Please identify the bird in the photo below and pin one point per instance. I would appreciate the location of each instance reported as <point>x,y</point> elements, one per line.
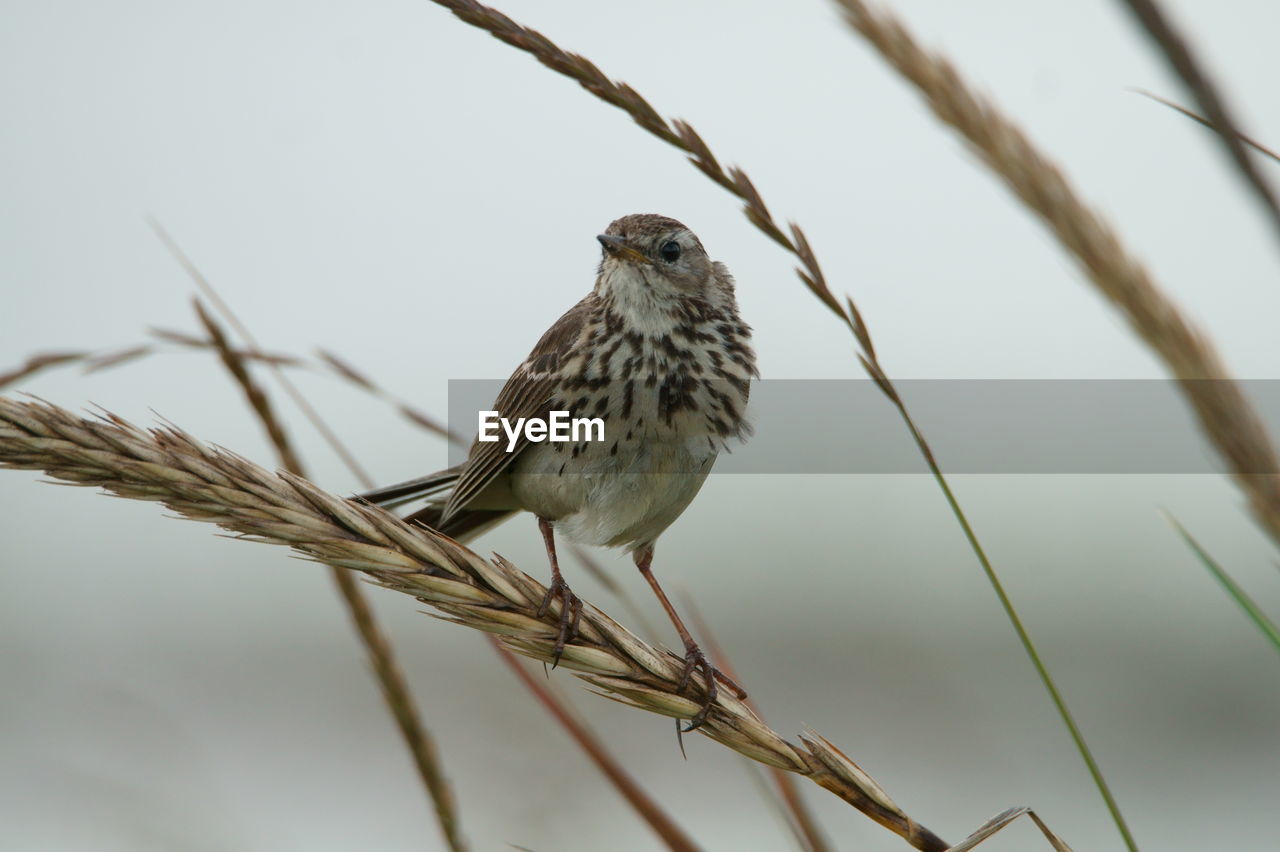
<point>658,353</point>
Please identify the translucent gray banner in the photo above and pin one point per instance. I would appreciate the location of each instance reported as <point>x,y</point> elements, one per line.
<point>974,426</point>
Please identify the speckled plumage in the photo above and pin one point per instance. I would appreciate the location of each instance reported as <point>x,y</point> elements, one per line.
<point>658,351</point>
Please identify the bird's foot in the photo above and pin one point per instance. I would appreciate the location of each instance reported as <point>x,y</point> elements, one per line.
<point>570,614</point>
<point>696,660</point>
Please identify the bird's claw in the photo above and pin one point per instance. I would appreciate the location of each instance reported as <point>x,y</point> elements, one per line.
<point>570,615</point>
<point>696,660</point>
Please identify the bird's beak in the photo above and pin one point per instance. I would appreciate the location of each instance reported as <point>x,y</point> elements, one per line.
<point>617,247</point>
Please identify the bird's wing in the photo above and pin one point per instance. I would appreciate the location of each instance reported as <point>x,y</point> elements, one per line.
<point>528,393</point>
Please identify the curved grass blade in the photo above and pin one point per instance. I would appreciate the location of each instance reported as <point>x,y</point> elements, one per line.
<point>1265,625</point>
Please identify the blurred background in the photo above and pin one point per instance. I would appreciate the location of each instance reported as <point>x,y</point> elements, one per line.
<point>384,181</point>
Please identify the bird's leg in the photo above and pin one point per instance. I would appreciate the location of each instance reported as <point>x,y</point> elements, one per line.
<point>570,605</point>
<point>694,658</point>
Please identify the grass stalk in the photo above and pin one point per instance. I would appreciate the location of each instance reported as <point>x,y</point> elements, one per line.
<point>391,681</point>
<point>1225,415</point>
<point>652,813</point>
<point>290,388</point>
<point>1265,625</point>
<point>39,362</point>
<point>361,614</point>
<point>1196,117</point>
<point>790,802</point>
<point>1182,59</point>
<point>213,485</point>
<point>90,362</point>
<point>344,369</point>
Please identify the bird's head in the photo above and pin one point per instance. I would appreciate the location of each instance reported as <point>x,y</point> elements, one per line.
<point>653,255</point>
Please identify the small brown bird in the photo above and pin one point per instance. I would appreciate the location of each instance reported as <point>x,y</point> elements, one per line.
<point>658,352</point>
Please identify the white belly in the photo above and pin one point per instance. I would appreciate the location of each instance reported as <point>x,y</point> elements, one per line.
<point>612,499</point>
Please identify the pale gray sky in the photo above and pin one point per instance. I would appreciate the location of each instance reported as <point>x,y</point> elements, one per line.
<point>385,181</point>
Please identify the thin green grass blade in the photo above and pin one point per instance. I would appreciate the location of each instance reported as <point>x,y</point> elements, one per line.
<point>1265,625</point>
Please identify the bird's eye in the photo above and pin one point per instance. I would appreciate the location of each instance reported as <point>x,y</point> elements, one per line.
<point>670,251</point>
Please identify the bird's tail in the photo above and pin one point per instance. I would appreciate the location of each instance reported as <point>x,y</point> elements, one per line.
<point>463,525</point>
